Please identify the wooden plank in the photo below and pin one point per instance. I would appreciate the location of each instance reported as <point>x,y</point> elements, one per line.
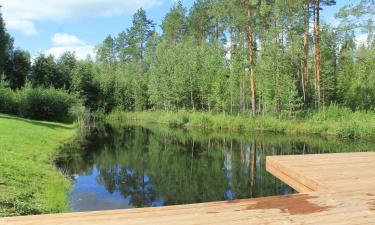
<point>295,184</point>
<point>295,209</point>
<point>326,172</point>
<point>295,179</point>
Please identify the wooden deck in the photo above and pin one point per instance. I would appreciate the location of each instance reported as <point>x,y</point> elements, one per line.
<point>332,173</point>
<point>336,189</point>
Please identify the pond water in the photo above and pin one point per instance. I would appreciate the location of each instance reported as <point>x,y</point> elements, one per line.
<point>117,167</point>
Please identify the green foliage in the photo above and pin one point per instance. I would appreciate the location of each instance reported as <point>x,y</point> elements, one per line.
<point>6,46</point>
<point>46,71</point>
<point>65,66</point>
<point>18,69</point>
<point>106,51</point>
<point>199,19</point>
<point>174,24</point>
<point>45,104</point>
<point>43,71</point>
<point>333,113</point>
<point>329,65</point>
<point>139,35</point>
<point>332,121</point>
<point>201,62</point>
<point>37,103</point>
<point>84,85</point>
<point>188,76</point>
<point>8,100</point>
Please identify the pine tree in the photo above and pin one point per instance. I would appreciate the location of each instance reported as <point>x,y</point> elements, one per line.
<point>106,52</point>
<point>305,78</point>
<point>198,20</point>
<point>174,24</point>
<point>139,34</point>
<point>317,57</point>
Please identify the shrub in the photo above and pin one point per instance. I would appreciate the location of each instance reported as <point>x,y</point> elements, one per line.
<point>45,104</point>
<point>8,101</point>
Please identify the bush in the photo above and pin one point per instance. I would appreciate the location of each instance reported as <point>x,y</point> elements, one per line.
<point>8,101</point>
<point>45,104</point>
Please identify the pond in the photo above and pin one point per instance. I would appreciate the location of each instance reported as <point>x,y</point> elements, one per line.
<point>127,166</point>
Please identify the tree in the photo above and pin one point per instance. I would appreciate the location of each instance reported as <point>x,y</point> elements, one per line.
<point>6,45</point>
<point>84,85</point>
<point>251,10</point>
<point>139,34</point>
<point>65,66</point>
<point>317,60</point>
<point>305,53</point>
<point>356,16</point>
<point>122,48</point>
<point>198,20</point>
<point>106,52</point>
<point>224,58</point>
<point>18,68</point>
<point>44,72</point>
<point>328,65</point>
<point>174,24</point>
<point>355,68</point>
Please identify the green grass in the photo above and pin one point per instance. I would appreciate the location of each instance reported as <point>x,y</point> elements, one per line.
<point>333,121</point>
<point>29,181</point>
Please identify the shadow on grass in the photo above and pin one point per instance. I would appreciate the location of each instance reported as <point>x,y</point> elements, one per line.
<point>35,122</point>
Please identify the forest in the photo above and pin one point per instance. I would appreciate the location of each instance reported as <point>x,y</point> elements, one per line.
<point>269,57</point>
<point>230,73</point>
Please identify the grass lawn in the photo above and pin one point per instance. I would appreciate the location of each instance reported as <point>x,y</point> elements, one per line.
<point>29,181</point>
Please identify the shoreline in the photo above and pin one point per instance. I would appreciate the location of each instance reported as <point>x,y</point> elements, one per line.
<point>32,184</point>
<point>355,125</point>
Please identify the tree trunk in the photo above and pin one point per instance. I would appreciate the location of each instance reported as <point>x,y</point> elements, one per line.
<point>317,51</point>
<point>305,53</point>
<point>243,81</point>
<point>231,69</point>
<point>277,77</point>
<point>191,93</point>
<point>292,58</point>
<point>251,59</point>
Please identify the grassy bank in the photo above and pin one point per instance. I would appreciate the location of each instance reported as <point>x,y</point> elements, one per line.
<point>333,121</point>
<point>29,181</point>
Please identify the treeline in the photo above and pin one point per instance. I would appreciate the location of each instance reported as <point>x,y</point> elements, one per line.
<point>230,56</point>
<point>243,56</point>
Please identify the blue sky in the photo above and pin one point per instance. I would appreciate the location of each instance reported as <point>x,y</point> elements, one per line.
<point>54,26</point>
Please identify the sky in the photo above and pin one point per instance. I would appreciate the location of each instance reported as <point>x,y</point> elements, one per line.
<point>55,26</point>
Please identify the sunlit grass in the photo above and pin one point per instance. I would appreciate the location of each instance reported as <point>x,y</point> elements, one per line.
<point>29,181</point>
<point>332,121</point>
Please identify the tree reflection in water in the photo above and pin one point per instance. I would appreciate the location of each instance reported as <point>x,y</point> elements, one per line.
<point>132,166</point>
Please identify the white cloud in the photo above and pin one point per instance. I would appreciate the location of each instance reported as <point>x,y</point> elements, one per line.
<point>27,27</point>
<point>63,39</point>
<point>67,42</point>
<point>22,14</point>
<point>80,51</point>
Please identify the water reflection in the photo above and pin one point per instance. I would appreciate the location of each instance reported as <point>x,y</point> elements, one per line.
<point>131,166</point>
